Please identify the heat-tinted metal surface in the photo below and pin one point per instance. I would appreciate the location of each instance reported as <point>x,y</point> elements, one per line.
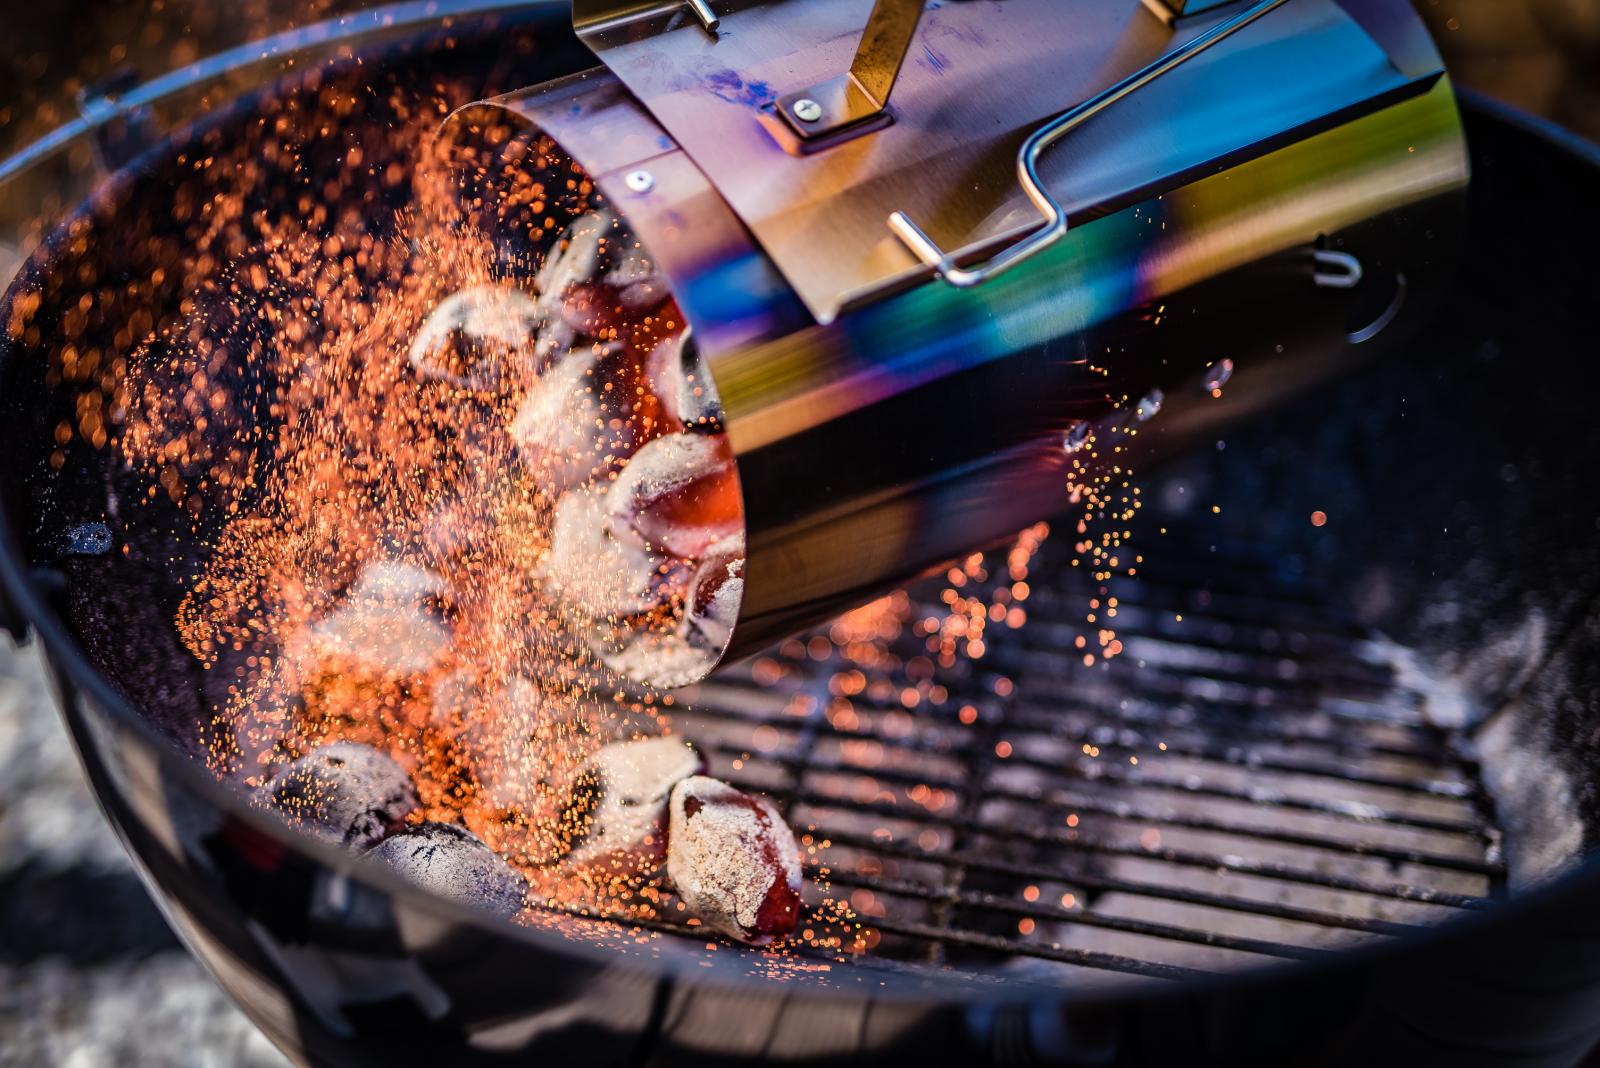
<point>857,465</point>
<point>981,77</point>
<point>346,967</point>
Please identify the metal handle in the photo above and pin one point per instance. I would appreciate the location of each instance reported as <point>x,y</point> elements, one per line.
<point>926,250</point>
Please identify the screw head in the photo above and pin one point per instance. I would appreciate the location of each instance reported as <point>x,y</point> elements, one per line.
<point>807,110</point>
<point>640,181</point>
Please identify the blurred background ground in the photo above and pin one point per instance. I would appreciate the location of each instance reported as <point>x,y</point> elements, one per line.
<point>89,974</point>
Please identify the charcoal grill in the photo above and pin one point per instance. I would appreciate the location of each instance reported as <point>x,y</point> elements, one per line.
<point>1359,824</point>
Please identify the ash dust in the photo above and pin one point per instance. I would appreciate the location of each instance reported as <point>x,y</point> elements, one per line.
<point>380,395</point>
<point>386,404</point>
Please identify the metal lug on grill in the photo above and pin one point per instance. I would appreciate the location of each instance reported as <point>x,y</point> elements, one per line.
<point>1336,270</point>
<point>120,132</point>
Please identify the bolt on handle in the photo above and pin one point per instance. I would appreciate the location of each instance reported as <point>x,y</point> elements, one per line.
<point>928,251</point>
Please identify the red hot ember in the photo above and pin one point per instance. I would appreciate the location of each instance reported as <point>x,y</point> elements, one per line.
<point>734,861</point>
<point>492,482</point>
<point>619,804</point>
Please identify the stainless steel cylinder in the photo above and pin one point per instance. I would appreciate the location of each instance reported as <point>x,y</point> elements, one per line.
<point>1250,208</point>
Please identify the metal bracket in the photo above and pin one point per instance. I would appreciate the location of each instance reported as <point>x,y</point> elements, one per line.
<point>1172,10</point>
<point>856,101</point>
<point>1055,226</point>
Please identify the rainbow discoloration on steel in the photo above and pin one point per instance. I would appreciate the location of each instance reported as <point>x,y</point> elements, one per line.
<point>925,420</point>
<point>1102,269</point>
<point>896,399</point>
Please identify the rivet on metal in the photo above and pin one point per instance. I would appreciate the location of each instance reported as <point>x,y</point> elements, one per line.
<point>640,181</point>
<point>807,110</point>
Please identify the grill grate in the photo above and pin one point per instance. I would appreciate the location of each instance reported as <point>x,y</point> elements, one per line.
<point>1253,782</point>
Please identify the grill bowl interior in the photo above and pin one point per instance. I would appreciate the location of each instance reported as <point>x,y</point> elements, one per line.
<point>1381,722</point>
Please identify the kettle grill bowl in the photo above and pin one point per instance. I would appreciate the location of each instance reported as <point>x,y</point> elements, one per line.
<point>1457,477</point>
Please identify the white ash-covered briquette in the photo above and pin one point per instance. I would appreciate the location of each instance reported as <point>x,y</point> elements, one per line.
<point>678,495</point>
<point>389,631</point>
<point>685,654</point>
<point>714,598</point>
<point>576,257</point>
<point>563,428</point>
<point>391,621</point>
<point>617,813</point>
<point>638,283</point>
<point>400,583</point>
<point>678,376</point>
<point>344,794</point>
<point>733,861</point>
<point>476,335</point>
<point>454,863</point>
<point>598,574</point>
<point>665,660</point>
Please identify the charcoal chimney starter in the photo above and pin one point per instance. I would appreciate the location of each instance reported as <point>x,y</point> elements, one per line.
<point>927,256</point>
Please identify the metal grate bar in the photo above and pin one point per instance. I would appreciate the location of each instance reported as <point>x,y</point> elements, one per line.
<point>1205,861</point>
<point>1157,678</point>
<point>1113,775</point>
<point>1242,708</point>
<point>1269,797</point>
<point>976,759</point>
<point>1099,884</point>
<point>1029,712</point>
<point>1051,951</point>
<point>1421,858</point>
<point>1083,917</point>
<point>1236,757</point>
